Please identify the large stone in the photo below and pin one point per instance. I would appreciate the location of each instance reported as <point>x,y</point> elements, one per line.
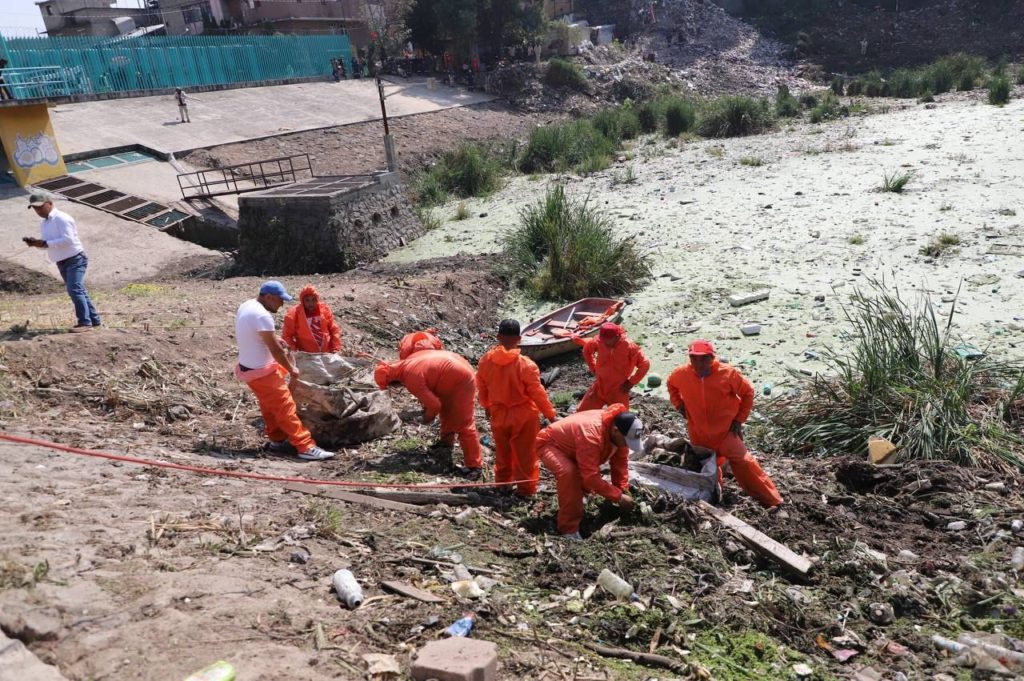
<point>30,626</point>
<point>18,662</point>
<point>456,659</point>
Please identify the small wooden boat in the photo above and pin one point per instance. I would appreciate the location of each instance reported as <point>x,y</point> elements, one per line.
<point>551,334</point>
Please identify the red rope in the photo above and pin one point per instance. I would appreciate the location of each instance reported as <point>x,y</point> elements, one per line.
<point>236,474</point>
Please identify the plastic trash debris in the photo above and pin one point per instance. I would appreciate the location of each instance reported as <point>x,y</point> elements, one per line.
<point>487,441</point>
<point>1017,526</point>
<point>881,613</point>
<point>1017,560</point>
<point>348,589</point>
<point>750,329</point>
<point>956,526</point>
<point>615,585</point>
<point>467,588</point>
<point>766,389</point>
<point>462,626</point>
<point>218,671</point>
<point>463,517</point>
<point>802,670</point>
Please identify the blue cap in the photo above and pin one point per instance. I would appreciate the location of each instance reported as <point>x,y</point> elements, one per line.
<point>275,288</point>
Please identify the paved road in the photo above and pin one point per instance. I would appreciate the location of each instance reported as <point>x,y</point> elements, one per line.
<point>242,114</point>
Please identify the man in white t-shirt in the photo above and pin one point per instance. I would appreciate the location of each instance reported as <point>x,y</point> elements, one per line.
<point>263,364</point>
<point>60,239</point>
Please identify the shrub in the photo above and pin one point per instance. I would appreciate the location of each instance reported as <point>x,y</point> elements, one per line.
<point>940,244</point>
<point>854,88</point>
<point>427,217</point>
<point>752,161</point>
<point>647,116</point>
<point>564,146</point>
<point>895,182</point>
<point>808,100</point>
<point>562,73</point>
<point>871,84</point>
<point>565,249</point>
<point>470,170</point>
<point>1020,76</point>
<point>905,378</point>
<point>940,77</point>
<point>617,123</point>
<point>829,109</point>
<point>462,211</point>
<point>999,91</point>
<point>904,83</point>
<point>856,240</point>
<point>966,83</point>
<point>786,105</point>
<point>837,85</point>
<point>734,116</point>
<point>635,89</point>
<point>679,116</point>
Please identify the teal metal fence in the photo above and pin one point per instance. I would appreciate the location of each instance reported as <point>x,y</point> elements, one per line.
<point>95,64</point>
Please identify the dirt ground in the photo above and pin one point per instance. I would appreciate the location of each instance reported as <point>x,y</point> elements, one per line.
<point>112,570</point>
<point>359,148</point>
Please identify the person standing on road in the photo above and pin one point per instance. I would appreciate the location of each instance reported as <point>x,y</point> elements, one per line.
<point>310,326</point>
<point>617,363</point>
<point>575,448</point>
<point>716,399</point>
<point>263,364</point>
<point>60,239</point>
<point>182,99</point>
<point>444,384</point>
<point>512,396</point>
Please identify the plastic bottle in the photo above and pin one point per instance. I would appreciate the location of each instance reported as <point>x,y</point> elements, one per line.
<point>615,585</point>
<point>347,588</point>
<point>461,627</point>
<point>218,671</point>
<point>1017,560</point>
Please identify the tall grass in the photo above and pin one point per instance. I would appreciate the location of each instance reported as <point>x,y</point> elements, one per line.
<point>617,123</point>
<point>562,73</point>
<point>734,116</point>
<point>469,170</point>
<point>786,105</point>
<point>829,108</point>
<point>680,115</point>
<point>566,146</point>
<point>565,249</point>
<point>960,71</point>
<point>999,91</point>
<point>895,182</point>
<point>906,378</point>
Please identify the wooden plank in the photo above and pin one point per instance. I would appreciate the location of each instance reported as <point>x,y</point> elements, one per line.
<point>353,498</point>
<point>759,541</point>
<point>425,498</point>
<point>411,591</point>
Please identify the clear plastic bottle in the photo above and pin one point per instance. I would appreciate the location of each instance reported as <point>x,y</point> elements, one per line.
<point>218,671</point>
<point>347,588</point>
<point>615,585</point>
<point>461,627</point>
<point>1017,559</point>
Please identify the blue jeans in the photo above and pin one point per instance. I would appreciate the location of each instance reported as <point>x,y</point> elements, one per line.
<point>72,271</point>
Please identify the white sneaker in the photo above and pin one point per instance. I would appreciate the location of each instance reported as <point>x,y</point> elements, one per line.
<point>314,453</point>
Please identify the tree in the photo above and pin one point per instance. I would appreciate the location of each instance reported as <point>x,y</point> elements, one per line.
<point>386,20</point>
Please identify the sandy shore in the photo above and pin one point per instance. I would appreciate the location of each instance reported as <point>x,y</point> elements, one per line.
<point>716,227</point>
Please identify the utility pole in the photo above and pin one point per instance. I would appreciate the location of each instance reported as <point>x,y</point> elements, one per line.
<point>389,142</point>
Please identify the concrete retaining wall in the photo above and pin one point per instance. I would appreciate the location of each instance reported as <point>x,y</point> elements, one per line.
<point>315,234</point>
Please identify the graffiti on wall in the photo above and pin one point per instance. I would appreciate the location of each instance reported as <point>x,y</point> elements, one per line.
<point>35,150</point>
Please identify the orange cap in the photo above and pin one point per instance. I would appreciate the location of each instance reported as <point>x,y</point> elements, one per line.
<point>701,347</point>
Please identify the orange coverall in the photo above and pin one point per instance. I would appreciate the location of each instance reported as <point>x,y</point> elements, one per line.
<point>574,449</point>
<point>443,383</point>
<point>277,406</point>
<point>712,404</point>
<point>297,334</point>
<point>418,340</point>
<point>611,367</point>
<point>510,390</point>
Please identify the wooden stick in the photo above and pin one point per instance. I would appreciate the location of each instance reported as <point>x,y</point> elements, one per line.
<point>649,659</point>
<point>757,540</point>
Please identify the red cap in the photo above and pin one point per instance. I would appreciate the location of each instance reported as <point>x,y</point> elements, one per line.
<point>701,347</point>
<point>609,330</point>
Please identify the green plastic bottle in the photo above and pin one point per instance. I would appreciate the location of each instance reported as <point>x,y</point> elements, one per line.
<point>218,671</point>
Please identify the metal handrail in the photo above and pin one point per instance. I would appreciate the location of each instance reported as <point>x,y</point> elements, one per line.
<point>256,175</point>
<point>35,82</point>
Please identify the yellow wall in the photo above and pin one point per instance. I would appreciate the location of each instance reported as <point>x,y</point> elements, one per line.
<point>29,143</point>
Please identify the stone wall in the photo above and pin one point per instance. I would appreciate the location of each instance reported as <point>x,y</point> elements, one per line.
<point>307,234</point>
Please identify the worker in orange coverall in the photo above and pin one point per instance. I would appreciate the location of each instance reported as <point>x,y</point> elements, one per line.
<point>575,448</point>
<point>444,384</point>
<point>310,326</point>
<point>513,397</point>
<point>617,363</point>
<point>418,340</point>
<point>716,399</point>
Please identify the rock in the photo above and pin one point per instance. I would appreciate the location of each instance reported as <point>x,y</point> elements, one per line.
<point>17,662</point>
<point>880,450</point>
<point>820,298</point>
<point>1017,526</point>
<point>956,526</point>
<point>31,625</point>
<point>802,671</point>
<point>740,299</point>
<point>750,329</point>
<point>301,557</point>
<point>456,659</point>
<point>881,613</point>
